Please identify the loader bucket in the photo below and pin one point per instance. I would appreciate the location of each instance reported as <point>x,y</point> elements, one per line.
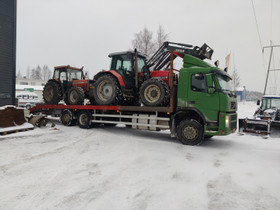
<point>275,129</point>
<point>254,126</point>
<point>11,116</point>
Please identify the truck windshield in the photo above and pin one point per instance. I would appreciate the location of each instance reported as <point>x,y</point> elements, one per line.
<point>268,103</point>
<point>224,82</point>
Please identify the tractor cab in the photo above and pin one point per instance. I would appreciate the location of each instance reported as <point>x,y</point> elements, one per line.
<point>67,73</point>
<point>129,66</point>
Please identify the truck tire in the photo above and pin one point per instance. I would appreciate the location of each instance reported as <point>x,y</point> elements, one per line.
<point>154,92</point>
<point>52,93</point>
<point>84,119</point>
<point>67,118</point>
<point>107,91</point>
<point>190,132</point>
<point>76,96</point>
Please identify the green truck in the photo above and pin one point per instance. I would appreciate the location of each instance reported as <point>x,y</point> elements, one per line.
<point>200,104</point>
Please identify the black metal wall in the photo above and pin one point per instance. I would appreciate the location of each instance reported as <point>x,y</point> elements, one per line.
<point>7,51</point>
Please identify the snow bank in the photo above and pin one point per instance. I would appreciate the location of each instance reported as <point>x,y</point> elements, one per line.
<point>122,168</point>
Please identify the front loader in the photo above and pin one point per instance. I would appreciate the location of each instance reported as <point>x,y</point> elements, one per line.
<point>132,77</point>
<point>266,120</point>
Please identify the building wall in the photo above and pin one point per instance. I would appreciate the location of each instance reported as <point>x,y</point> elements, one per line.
<point>7,51</point>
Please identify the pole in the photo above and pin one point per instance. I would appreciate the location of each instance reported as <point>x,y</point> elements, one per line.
<point>171,83</point>
<point>271,51</point>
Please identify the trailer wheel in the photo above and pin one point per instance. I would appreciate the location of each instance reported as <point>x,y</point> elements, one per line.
<point>107,91</point>
<point>154,92</point>
<point>190,132</point>
<point>84,119</point>
<point>76,96</point>
<point>67,118</point>
<point>52,93</point>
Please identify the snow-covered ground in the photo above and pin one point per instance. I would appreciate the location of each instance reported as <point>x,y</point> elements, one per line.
<point>122,168</point>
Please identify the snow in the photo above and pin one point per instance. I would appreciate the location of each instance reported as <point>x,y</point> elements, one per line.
<point>122,168</point>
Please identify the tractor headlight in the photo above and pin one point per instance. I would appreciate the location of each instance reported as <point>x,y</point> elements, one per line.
<point>227,121</point>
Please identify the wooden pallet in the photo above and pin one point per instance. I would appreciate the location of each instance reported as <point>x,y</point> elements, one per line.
<point>15,129</point>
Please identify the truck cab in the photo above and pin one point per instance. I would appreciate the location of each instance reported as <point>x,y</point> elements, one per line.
<point>205,93</point>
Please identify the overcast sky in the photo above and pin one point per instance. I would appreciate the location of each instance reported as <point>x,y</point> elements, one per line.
<point>84,32</point>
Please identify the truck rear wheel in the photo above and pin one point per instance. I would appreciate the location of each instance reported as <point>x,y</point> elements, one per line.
<point>107,91</point>
<point>52,93</point>
<point>190,132</point>
<point>75,96</point>
<point>84,119</point>
<point>67,118</point>
<point>154,92</point>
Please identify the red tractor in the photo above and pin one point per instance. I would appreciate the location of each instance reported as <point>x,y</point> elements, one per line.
<point>132,77</point>
<point>68,83</point>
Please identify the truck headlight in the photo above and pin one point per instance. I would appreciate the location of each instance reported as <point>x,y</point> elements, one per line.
<point>227,121</point>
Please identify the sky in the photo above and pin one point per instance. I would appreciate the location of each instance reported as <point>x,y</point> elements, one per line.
<point>83,33</point>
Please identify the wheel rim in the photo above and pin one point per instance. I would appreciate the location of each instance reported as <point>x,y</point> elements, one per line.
<point>190,132</point>
<point>73,96</point>
<point>48,93</point>
<point>105,91</point>
<point>83,119</point>
<point>66,118</point>
<point>152,93</point>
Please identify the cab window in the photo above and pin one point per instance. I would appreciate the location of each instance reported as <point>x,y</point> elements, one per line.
<point>198,83</point>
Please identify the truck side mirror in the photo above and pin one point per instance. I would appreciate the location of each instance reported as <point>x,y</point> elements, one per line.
<point>258,102</point>
<point>211,90</point>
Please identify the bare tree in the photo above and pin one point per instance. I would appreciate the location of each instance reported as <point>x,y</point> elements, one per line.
<point>46,73</point>
<point>161,36</point>
<point>235,79</point>
<point>144,43</point>
<point>19,74</point>
<point>28,72</point>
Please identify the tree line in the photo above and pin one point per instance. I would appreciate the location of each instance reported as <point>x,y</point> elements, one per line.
<point>38,73</point>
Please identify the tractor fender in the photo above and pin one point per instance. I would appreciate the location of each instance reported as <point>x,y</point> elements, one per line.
<point>112,72</point>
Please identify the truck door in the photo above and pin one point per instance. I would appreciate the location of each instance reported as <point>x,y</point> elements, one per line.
<point>200,98</point>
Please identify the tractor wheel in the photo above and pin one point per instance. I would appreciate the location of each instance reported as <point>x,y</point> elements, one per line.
<point>190,132</point>
<point>84,119</point>
<point>52,93</point>
<point>76,96</point>
<point>154,92</point>
<point>67,118</point>
<point>107,91</point>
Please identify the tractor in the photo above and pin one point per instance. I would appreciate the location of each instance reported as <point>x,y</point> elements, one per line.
<point>132,79</point>
<point>68,83</point>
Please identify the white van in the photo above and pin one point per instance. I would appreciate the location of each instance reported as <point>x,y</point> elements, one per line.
<point>27,99</point>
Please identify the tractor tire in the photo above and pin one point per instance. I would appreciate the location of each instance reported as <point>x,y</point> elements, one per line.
<point>52,93</point>
<point>154,92</point>
<point>107,91</point>
<point>76,96</point>
<point>190,132</point>
<point>67,118</point>
<point>84,119</point>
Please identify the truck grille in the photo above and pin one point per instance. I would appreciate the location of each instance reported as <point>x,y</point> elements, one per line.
<point>233,105</point>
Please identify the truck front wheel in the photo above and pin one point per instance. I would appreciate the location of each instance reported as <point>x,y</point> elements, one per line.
<point>190,132</point>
